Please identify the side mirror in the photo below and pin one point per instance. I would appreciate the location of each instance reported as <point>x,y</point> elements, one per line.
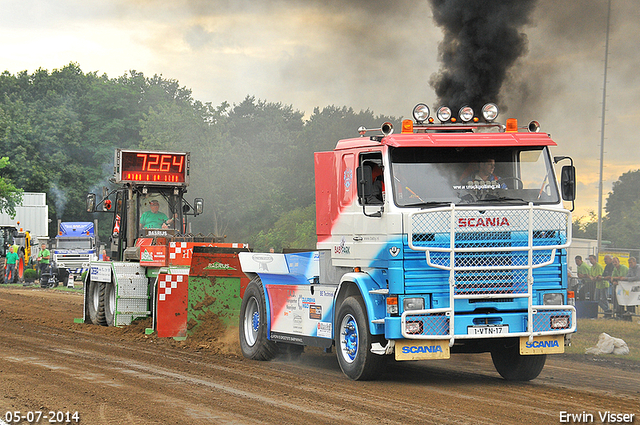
<point>361,182</point>
<point>91,202</point>
<point>365,190</point>
<point>198,205</point>
<point>568,182</point>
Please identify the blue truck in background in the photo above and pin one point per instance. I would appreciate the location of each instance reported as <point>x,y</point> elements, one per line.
<point>75,246</point>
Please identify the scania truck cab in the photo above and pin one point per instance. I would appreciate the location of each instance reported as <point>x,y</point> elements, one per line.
<point>449,237</point>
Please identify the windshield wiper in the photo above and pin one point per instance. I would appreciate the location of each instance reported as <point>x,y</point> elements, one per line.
<point>502,198</point>
<point>430,204</point>
<point>434,204</point>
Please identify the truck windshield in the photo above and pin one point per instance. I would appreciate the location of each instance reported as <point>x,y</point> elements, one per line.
<point>473,175</point>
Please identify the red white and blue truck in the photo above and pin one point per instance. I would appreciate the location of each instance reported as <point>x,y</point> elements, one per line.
<point>422,252</point>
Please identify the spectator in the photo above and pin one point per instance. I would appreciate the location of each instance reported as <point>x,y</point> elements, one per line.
<point>606,274</point>
<point>12,265</point>
<point>583,268</point>
<point>583,276</point>
<point>602,285</point>
<point>43,258</point>
<point>619,270</point>
<point>633,275</point>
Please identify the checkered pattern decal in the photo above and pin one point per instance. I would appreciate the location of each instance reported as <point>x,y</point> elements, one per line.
<point>176,249</point>
<point>167,283</point>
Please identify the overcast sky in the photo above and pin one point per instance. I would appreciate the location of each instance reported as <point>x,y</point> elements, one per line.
<point>366,54</point>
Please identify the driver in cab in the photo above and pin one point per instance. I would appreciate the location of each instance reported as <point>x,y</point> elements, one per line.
<point>154,219</point>
<point>485,175</point>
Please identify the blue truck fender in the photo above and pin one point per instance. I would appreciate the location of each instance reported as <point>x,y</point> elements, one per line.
<point>375,303</point>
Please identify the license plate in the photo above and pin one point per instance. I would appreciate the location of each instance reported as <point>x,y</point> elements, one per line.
<point>488,330</point>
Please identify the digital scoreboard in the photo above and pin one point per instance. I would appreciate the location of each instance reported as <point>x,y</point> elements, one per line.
<point>164,168</point>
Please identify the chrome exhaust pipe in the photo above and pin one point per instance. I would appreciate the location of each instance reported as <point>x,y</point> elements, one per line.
<point>386,128</point>
<point>534,127</point>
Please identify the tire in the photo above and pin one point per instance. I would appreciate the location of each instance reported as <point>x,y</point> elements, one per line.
<point>353,342</point>
<point>95,309</point>
<point>514,367</point>
<point>254,343</point>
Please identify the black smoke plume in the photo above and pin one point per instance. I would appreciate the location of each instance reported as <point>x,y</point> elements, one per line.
<point>482,40</point>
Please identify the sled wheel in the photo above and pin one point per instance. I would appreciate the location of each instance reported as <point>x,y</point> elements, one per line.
<point>353,342</point>
<point>253,324</point>
<point>515,367</point>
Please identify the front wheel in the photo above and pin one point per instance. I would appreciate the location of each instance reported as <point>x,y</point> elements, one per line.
<point>253,324</point>
<point>513,366</point>
<point>353,342</point>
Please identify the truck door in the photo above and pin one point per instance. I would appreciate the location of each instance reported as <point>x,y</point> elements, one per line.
<point>371,215</point>
<point>359,233</point>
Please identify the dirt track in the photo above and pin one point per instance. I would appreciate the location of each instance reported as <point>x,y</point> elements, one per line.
<point>120,376</point>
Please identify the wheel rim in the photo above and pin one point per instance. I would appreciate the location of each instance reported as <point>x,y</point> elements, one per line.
<point>95,295</point>
<point>251,321</point>
<point>112,299</point>
<point>349,338</point>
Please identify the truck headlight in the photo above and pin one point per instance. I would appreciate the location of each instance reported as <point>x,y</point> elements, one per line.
<point>553,298</point>
<point>560,322</point>
<point>414,327</point>
<point>412,304</point>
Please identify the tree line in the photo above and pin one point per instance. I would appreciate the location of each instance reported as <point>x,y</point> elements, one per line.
<point>252,162</point>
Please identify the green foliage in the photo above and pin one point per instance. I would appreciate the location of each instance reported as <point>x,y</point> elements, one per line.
<point>586,227</point>
<point>10,196</point>
<point>61,129</point>
<point>620,225</point>
<point>624,194</point>
<point>295,229</point>
<point>252,162</point>
<point>30,274</point>
<point>623,212</point>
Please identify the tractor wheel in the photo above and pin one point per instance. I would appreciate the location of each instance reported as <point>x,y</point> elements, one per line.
<point>353,342</point>
<point>95,307</point>
<point>253,324</point>
<point>513,366</point>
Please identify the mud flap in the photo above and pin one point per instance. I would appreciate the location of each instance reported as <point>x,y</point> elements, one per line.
<point>545,344</point>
